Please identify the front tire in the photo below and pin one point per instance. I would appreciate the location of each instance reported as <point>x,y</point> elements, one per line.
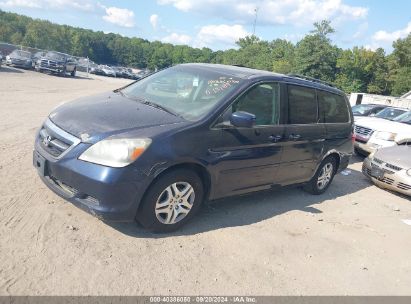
<point>73,73</point>
<point>171,201</point>
<point>323,177</point>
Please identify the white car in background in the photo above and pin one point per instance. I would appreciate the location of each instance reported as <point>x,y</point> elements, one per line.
<point>388,113</point>
<point>373,133</point>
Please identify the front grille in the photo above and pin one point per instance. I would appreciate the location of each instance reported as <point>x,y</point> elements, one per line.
<point>387,180</point>
<point>377,160</point>
<point>54,140</point>
<point>404,186</point>
<point>393,167</point>
<point>73,192</point>
<point>363,131</point>
<point>45,63</point>
<point>387,168</point>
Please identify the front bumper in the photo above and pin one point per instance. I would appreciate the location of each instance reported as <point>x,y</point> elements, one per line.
<point>111,194</point>
<point>53,70</point>
<point>397,181</point>
<point>372,145</point>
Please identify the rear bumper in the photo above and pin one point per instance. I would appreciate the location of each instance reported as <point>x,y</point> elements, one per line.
<point>111,194</point>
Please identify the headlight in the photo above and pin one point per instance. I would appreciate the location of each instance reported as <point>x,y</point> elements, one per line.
<point>371,155</point>
<point>116,152</point>
<point>409,172</point>
<point>385,136</point>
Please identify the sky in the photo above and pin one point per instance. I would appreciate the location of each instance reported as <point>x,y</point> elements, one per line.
<point>217,24</point>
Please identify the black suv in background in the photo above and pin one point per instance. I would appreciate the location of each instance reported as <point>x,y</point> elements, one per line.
<point>58,63</point>
<point>156,149</point>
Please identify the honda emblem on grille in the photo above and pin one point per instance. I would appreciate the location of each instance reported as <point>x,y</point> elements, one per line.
<point>47,140</point>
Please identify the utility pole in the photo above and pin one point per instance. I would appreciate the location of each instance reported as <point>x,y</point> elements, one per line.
<point>255,19</point>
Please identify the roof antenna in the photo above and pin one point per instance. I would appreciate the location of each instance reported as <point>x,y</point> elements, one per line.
<point>255,19</point>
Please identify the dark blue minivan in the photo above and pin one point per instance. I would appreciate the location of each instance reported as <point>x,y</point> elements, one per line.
<point>153,151</point>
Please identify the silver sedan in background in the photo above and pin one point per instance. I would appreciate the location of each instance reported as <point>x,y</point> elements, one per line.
<point>390,168</point>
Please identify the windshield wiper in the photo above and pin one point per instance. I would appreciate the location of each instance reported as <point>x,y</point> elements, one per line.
<point>155,105</point>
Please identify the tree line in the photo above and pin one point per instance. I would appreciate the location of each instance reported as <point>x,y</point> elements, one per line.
<point>353,70</point>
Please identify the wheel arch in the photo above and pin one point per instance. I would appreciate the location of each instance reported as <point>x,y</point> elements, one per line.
<point>199,169</point>
<point>336,155</point>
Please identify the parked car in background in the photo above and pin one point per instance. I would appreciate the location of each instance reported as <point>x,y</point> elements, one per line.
<point>155,153</point>
<point>390,168</point>
<point>57,63</point>
<point>19,58</point>
<point>108,71</point>
<point>367,109</point>
<point>36,57</point>
<point>375,133</point>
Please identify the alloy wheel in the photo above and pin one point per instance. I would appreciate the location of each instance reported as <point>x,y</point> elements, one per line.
<point>325,176</point>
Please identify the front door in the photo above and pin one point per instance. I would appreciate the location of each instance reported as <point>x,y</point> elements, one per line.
<point>249,158</point>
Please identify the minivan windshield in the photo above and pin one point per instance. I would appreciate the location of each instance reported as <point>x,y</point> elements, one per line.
<point>404,118</point>
<point>189,92</point>
<point>390,113</point>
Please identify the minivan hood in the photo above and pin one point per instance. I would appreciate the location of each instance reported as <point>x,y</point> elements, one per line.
<point>96,117</point>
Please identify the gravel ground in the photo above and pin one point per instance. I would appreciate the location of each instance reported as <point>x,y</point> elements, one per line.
<point>350,240</point>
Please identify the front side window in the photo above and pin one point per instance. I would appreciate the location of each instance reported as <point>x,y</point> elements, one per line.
<point>262,100</point>
<point>190,92</point>
<point>302,105</point>
<point>332,108</point>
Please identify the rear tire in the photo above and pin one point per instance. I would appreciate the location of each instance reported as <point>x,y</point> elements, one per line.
<point>171,201</point>
<point>323,177</point>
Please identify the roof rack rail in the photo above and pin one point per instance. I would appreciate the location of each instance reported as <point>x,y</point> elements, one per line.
<point>312,79</point>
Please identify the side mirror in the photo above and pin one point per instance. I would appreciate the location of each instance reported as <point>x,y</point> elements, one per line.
<point>242,119</point>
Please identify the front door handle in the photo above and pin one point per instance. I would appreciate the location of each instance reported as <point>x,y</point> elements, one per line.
<point>275,138</point>
<point>294,136</point>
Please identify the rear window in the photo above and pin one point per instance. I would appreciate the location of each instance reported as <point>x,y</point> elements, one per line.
<point>332,108</point>
<point>302,105</point>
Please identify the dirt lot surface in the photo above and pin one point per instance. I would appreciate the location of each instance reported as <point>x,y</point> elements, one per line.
<point>350,240</point>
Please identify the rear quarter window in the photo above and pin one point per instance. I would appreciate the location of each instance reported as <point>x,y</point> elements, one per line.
<point>302,105</point>
<point>332,108</point>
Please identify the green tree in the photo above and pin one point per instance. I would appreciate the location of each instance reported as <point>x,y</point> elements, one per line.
<point>400,66</point>
<point>315,56</point>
